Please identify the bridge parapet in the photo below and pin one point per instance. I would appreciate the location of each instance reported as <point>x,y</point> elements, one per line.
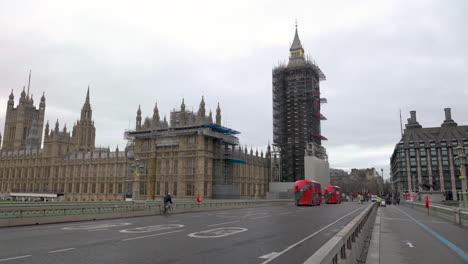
<point>347,245</point>
<point>455,214</point>
<point>16,215</point>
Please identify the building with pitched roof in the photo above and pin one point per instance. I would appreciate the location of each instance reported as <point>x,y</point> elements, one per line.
<point>424,159</point>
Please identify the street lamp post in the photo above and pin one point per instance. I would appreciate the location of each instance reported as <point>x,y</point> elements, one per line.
<point>461,160</point>
<point>382,186</point>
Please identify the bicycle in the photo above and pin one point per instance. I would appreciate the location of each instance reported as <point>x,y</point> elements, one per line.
<point>164,211</point>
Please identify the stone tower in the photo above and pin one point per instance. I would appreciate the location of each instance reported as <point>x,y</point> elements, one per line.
<point>84,132</point>
<point>296,110</point>
<point>19,120</point>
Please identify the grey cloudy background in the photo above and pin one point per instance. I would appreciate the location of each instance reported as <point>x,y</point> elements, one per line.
<point>379,57</point>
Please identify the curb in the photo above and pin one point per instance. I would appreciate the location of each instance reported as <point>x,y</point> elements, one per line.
<point>373,254</point>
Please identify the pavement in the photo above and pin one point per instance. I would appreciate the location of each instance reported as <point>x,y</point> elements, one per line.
<point>411,236</point>
<point>276,234</point>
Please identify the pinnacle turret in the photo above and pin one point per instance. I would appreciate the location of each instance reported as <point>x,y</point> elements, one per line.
<point>47,128</point>
<point>156,113</point>
<point>86,111</point>
<point>201,110</point>
<point>11,99</point>
<point>182,106</point>
<point>138,118</point>
<point>218,115</point>
<point>56,126</point>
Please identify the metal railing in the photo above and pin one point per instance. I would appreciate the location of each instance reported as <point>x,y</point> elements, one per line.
<point>457,215</point>
<point>347,245</point>
<point>17,210</point>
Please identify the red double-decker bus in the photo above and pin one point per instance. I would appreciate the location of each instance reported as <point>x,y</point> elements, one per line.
<point>308,192</point>
<point>332,194</point>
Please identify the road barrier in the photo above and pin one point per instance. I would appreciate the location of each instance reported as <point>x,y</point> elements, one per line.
<point>347,245</point>
<point>454,214</point>
<point>63,212</point>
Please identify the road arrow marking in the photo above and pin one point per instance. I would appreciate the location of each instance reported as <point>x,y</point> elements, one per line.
<point>269,255</point>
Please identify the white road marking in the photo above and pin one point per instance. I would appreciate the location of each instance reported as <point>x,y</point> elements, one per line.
<point>255,214</point>
<point>227,216</point>
<point>25,256</point>
<point>304,239</point>
<point>218,232</point>
<point>223,223</point>
<point>15,228</point>
<point>160,234</point>
<point>261,217</point>
<point>61,250</point>
<point>95,226</point>
<point>409,244</point>
<point>269,255</point>
<point>154,228</point>
<point>101,229</point>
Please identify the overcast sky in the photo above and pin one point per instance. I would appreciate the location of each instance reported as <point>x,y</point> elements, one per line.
<point>378,56</point>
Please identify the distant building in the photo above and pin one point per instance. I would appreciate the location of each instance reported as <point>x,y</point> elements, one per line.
<point>24,123</point>
<point>196,156</point>
<point>191,155</point>
<point>338,177</point>
<point>68,165</point>
<point>424,157</point>
<point>363,174</point>
<point>296,110</point>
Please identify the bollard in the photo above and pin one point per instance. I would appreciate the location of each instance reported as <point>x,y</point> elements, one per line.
<point>457,216</point>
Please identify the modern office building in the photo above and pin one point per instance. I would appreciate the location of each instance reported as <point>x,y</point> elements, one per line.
<point>296,110</point>
<point>424,159</point>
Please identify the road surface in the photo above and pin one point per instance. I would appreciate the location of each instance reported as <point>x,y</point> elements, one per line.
<point>276,234</point>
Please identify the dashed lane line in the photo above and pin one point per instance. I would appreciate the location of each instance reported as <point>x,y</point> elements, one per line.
<point>261,217</point>
<point>19,257</point>
<point>160,234</point>
<point>269,255</point>
<point>225,223</point>
<point>60,250</point>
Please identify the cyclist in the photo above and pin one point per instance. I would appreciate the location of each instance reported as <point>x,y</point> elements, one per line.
<point>167,202</point>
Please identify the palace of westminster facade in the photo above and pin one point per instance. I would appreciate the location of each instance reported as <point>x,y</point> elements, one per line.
<point>187,156</point>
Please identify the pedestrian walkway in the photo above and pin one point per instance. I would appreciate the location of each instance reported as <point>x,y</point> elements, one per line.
<point>405,235</point>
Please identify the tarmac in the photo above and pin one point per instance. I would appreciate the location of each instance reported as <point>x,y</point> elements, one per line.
<point>275,234</point>
<point>405,235</point>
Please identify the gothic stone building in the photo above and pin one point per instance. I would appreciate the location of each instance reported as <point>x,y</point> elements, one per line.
<point>68,164</point>
<point>193,155</point>
<point>424,159</point>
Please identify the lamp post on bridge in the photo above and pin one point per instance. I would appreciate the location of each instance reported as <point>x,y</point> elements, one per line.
<point>461,161</point>
<point>382,184</point>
